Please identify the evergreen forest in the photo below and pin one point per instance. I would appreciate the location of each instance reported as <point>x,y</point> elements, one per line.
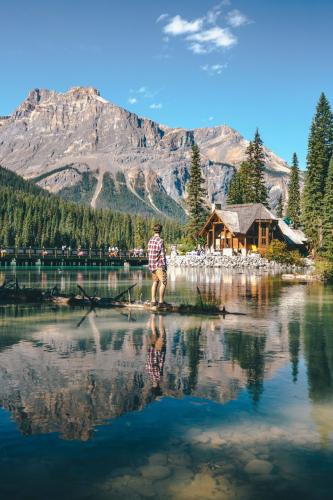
<point>30,216</point>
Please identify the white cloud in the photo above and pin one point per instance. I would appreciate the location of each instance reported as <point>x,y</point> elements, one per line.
<point>179,26</point>
<point>213,69</point>
<point>144,92</point>
<point>214,13</point>
<point>198,48</point>
<point>161,17</point>
<point>156,105</point>
<point>209,40</point>
<point>204,35</point>
<point>235,18</point>
<point>209,119</point>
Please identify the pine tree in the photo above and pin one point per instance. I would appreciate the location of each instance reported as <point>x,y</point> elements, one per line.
<point>248,184</point>
<point>140,237</point>
<point>294,196</point>
<point>247,173</point>
<point>235,192</point>
<point>320,148</point>
<point>196,196</point>
<point>328,213</point>
<point>246,176</point>
<point>279,209</point>
<point>257,158</point>
<point>241,189</point>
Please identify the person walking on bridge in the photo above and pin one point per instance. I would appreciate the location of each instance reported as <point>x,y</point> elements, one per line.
<point>158,267</point>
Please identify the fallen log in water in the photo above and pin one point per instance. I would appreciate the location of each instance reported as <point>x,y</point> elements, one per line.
<point>208,309</point>
<point>12,293</point>
<point>85,299</point>
<point>109,302</point>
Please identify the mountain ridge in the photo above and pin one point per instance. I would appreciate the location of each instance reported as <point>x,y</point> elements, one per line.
<point>87,149</point>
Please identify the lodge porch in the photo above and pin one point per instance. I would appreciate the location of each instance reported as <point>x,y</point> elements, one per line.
<point>219,238</point>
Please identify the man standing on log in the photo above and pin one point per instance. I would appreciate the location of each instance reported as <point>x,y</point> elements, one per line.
<point>158,267</point>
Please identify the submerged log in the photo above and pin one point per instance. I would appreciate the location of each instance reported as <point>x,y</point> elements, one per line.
<point>13,294</point>
<point>106,303</point>
<point>17,296</point>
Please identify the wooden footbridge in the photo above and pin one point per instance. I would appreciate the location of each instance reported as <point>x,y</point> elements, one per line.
<point>59,258</point>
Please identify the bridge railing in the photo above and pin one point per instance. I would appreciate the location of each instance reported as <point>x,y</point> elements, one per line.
<point>102,253</point>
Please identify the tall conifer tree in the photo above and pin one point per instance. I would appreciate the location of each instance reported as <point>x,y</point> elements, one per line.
<point>328,212</point>
<point>258,161</point>
<point>320,150</point>
<point>196,195</point>
<point>235,193</point>
<point>279,209</point>
<point>294,205</point>
<point>248,185</point>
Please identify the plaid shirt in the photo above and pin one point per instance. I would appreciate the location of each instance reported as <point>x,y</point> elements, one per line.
<point>154,364</point>
<point>156,254</point>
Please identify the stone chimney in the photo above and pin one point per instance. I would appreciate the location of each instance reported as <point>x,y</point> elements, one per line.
<point>216,206</point>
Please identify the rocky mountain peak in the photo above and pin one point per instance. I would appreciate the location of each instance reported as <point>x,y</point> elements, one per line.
<point>34,97</point>
<point>87,149</point>
<point>83,91</point>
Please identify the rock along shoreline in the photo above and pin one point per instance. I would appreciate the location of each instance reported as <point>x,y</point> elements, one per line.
<point>232,262</point>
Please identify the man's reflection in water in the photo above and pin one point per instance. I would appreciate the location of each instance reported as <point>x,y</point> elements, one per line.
<point>156,353</point>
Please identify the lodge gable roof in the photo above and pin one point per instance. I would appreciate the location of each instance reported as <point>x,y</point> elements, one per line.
<point>239,218</point>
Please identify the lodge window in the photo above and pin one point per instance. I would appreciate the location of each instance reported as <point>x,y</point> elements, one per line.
<point>263,234</point>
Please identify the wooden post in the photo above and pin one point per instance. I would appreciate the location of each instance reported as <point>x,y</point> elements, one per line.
<point>259,235</point>
<point>267,234</point>
<point>214,242</point>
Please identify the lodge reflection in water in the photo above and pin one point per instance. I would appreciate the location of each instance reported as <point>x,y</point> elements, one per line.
<point>57,378</point>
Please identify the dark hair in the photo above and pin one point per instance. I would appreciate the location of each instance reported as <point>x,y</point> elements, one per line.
<point>158,228</point>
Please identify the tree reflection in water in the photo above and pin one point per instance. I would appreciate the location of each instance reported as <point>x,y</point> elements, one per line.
<point>57,378</point>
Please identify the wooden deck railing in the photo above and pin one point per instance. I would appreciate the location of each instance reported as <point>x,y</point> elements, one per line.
<point>101,253</point>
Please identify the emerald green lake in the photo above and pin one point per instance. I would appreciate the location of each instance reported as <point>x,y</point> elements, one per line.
<point>133,406</point>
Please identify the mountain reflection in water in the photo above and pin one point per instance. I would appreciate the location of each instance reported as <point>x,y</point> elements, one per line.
<point>69,380</point>
<point>168,406</point>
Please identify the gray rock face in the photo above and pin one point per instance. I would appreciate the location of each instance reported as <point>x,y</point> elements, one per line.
<point>62,140</point>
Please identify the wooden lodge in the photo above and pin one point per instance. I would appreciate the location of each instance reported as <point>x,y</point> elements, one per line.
<point>248,228</point>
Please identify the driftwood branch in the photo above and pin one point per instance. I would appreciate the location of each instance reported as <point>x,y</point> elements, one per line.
<point>92,300</point>
<point>124,292</point>
<point>84,317</point>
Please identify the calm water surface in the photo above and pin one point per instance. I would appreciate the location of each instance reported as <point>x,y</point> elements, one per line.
<point>135,406</point>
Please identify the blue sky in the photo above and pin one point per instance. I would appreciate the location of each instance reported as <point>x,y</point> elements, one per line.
<point>193,63</point>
